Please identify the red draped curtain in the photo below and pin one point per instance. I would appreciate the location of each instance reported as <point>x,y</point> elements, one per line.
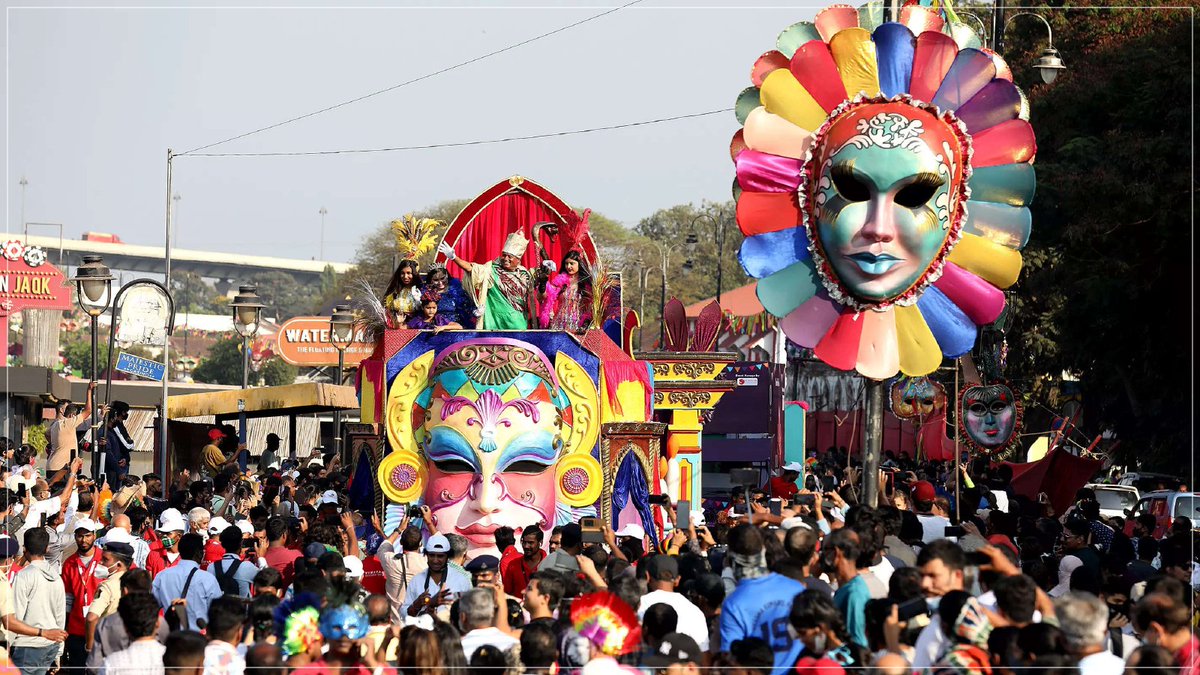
<point>484,236</point>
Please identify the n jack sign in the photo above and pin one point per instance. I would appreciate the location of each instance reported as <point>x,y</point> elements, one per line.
<point>27,281</point>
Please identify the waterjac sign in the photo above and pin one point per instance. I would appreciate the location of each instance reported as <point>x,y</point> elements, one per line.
<point>304,341</point>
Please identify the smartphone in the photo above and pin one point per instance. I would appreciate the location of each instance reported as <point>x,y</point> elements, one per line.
<point>977,558</point>
<point>912,608</point>
<point>590,527</point>
<point>659,500</point>
<point>683,514</point>
<point>776,507</point>
<point>804,500</point>
<point>21,490</point>
<point>741,509</point>
<point>954,531</point>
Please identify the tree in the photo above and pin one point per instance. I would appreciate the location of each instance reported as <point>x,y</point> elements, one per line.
<point>285,297</point>
<point>1106,286</point>
<point>190,292</point>
<point>223,365</point>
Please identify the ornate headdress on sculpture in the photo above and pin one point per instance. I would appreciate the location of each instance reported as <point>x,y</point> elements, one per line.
<point>883,178</point>
<point>515,244</point>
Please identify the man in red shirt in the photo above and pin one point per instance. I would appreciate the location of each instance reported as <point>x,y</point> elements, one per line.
<point>783,486</point>
<point>80,585</point>
<point>278,555</point>
<point>1165,622</point>
<point>165,552</point>
<point>213,551</point>
<point>518,571</point>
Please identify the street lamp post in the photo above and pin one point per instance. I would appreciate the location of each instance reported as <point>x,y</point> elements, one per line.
<point>664,253</point>
<point>93,288</point>
<point>322,211</point>
<point>719,237</point>
<point>341,333</point>
<point>247,312</point>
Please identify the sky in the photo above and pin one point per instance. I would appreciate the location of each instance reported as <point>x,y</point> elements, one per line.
<point>96,96</point>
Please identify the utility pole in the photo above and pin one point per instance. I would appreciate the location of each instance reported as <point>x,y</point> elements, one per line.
<point>321,255</point>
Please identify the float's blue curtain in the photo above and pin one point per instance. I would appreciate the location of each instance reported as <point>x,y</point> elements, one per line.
<point>630,483</point>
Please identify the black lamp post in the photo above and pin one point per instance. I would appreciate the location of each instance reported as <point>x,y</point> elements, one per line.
<point>93,292</point>
<point>719,237</point>
<point>341,334</point>
<point>247,313</point>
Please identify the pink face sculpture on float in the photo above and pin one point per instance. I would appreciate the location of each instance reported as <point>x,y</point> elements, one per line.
<point>488,434</point>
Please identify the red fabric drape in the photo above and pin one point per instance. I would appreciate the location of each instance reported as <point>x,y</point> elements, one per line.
<point>821,430</point>
<point>1059,474</point>
<point>483,239</point>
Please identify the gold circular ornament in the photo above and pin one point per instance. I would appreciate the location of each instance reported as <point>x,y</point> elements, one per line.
<point>402,476</point>
<point>578,477</point>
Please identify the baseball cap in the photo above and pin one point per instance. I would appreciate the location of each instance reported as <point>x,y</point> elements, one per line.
<point>807,665</point>
<point>246,527</point>
<point>87,524</point>
<point>632,530</point>
<point>316,461</point>
<point>120,548</point>
<point>793,466</point>
<point>314,550</point>
<point>438,543</point>
<point>483,563</point>
<point>923,491</point>
<point>172,521</point>
<point>662,565</point>
<point>217,525</point>
<point>116,535</point>
<point>329,497</point>
<point>354,567</point>
<point>8,547</point>
<point>676,648</point>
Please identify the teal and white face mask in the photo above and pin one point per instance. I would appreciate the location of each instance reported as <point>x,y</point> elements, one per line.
<point>884,201</point>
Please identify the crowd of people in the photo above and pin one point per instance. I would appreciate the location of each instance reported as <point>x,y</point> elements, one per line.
<point>270,571</point>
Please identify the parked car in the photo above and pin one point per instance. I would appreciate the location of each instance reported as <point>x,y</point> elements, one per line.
<point>1148,482</point>
<point>1115,500</point>
<point>1165,506</point>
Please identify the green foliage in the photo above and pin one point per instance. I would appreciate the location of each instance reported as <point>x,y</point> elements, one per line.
<point>36,437</point>
<point>223,365</point>
<point>285,297</point>
<point>1106,284</point>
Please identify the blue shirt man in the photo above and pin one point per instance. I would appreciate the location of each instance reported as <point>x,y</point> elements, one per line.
<point>851,600</point>
<point>760,607</point>
<point>203,589</point>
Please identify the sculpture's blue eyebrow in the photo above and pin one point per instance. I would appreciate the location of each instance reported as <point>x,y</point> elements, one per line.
<point>536,445</point>
<point>447,443</point>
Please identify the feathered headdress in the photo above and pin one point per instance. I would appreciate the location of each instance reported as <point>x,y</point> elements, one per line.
<point>414,236</point>
<point>574,230</point>
<point>607,621</point>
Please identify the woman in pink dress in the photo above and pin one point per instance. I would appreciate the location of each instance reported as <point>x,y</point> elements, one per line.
<point>568,304</point>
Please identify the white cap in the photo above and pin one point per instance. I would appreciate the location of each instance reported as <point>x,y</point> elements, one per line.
<point>116,535</point>
<point>172,520</point>
<point>88,524</point>
<point>246,527</point>
<point>792,466</point>
<point>217,525</point>
<point>632,530</point>
<point>316,461</point>
<point>329,497</point>
<point>1068,565</point>
<point>438,543</point>
<point>698,517</point>
<point>354,567</point>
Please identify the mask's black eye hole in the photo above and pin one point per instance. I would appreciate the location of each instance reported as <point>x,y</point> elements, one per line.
<point>848,185</point>
<point>918,192</point>
<point>525,467</point>
<point>453,466</point>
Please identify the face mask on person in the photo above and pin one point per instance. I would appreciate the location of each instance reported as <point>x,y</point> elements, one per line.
<point>102,573</point>
<point>817,647</point>
<point>168,542</point>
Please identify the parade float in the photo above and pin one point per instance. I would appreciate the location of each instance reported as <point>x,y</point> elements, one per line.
<point>509,426</point>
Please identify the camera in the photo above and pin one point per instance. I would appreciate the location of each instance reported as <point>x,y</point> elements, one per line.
<point>414,511</point>
<point>590,527</point>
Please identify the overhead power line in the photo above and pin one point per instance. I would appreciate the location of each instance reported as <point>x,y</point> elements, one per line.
<point>413,80</point>
<point>432,146</point>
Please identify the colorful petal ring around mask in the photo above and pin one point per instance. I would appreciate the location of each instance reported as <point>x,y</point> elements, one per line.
<point>579,477</point>
<point>402,476</point>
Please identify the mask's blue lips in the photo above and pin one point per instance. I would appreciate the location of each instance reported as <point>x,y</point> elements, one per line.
<point>871,263</point>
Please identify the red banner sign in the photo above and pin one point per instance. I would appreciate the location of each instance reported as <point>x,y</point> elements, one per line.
<point>27,281</point>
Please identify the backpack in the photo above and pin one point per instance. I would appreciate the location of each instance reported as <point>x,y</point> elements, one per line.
<point>226,580</point>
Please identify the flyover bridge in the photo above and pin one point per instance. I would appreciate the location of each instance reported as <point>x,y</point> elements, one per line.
<point>223,267</point>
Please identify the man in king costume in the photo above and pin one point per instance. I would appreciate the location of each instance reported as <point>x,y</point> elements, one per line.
<point>499,287</point>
